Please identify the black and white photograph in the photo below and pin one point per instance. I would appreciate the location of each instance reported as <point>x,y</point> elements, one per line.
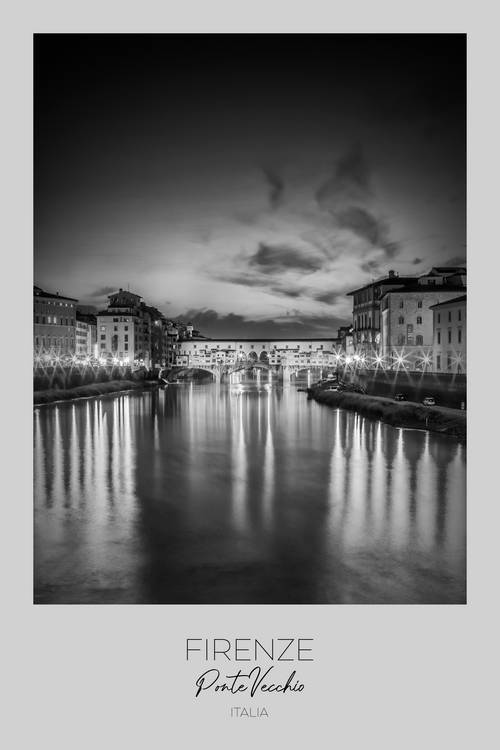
<point>249,318</point>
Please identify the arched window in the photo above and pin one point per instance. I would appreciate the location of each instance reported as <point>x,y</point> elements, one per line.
<point>419,320</point>
<point>419,340</point>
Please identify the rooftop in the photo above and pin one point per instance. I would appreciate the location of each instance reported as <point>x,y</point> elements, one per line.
<point>268,340</point>
<point>38,292</point>
<point>401,280</point>
<point>462,298</point>
<point>437,270</point>
<point>424,289</point>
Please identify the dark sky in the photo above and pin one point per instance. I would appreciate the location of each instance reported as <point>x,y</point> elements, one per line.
<point>246,182</point>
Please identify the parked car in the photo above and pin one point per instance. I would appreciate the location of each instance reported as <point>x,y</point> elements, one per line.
<point>399,397</point>
<point>429,401</point>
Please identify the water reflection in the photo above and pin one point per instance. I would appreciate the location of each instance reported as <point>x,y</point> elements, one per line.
<point>234,494</point>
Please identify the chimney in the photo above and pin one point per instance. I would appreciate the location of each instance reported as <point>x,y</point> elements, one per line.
<point>391,274</point>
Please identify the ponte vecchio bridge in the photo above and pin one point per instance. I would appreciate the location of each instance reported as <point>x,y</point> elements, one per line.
<point>286,357</point>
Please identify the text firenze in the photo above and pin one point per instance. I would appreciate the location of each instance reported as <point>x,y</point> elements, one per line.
<point>248,649</point>
<point>256,679</point>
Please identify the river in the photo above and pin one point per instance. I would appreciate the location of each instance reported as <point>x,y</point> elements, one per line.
<point>242,493</point>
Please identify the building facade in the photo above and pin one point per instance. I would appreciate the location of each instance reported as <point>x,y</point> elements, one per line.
<point>86,335</point>
<point>124,329</point>
<point>407,333</point>
<point>450,335</point>
<point>54,324</point>
<point>366,314</point>
<point>345,338</point>
<point>160,356</point>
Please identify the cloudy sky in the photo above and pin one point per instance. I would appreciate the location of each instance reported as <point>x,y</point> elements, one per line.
<point>246,182</point>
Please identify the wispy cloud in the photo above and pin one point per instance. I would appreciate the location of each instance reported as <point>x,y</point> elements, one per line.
<point>103,291</point>
<point>282,257</point>
<point>276,187</point>
<point>212,324</point>
<point>347,196</point>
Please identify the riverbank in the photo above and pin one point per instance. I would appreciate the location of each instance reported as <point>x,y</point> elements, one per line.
<point>447,421</point>
<point>93,389</point>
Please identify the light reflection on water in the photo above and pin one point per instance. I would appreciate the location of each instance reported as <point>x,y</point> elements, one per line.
<point>242,494</point>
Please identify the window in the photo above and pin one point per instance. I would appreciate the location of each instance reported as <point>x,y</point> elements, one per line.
<point>439,317</point>
<point>401,320</point>
<point>103,337</point>
<point>409,328</point>
<point>126,347</point>
<point>439,337</point>
<point>449,316</point>
<point>420,340</point>
<point>103,328</point>
<point>125,338</point>
<point>401,303</point>
<point>448,361</point>
<point>401,339</point>
<point>460,315</point>
<point>115,320</point>
<point>419,320</point>
<point>103,346</point>
<point>449,336</point>
<point>419,303</point>
<point>37,319</point>
<point>459,335</point>
<point>438,362</point>
<point>43,319</point>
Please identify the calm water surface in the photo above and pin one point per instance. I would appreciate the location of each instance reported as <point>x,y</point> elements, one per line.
<point>239,494</point>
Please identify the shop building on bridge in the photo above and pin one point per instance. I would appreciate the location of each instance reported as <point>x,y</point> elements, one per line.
<point>307,352</point>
